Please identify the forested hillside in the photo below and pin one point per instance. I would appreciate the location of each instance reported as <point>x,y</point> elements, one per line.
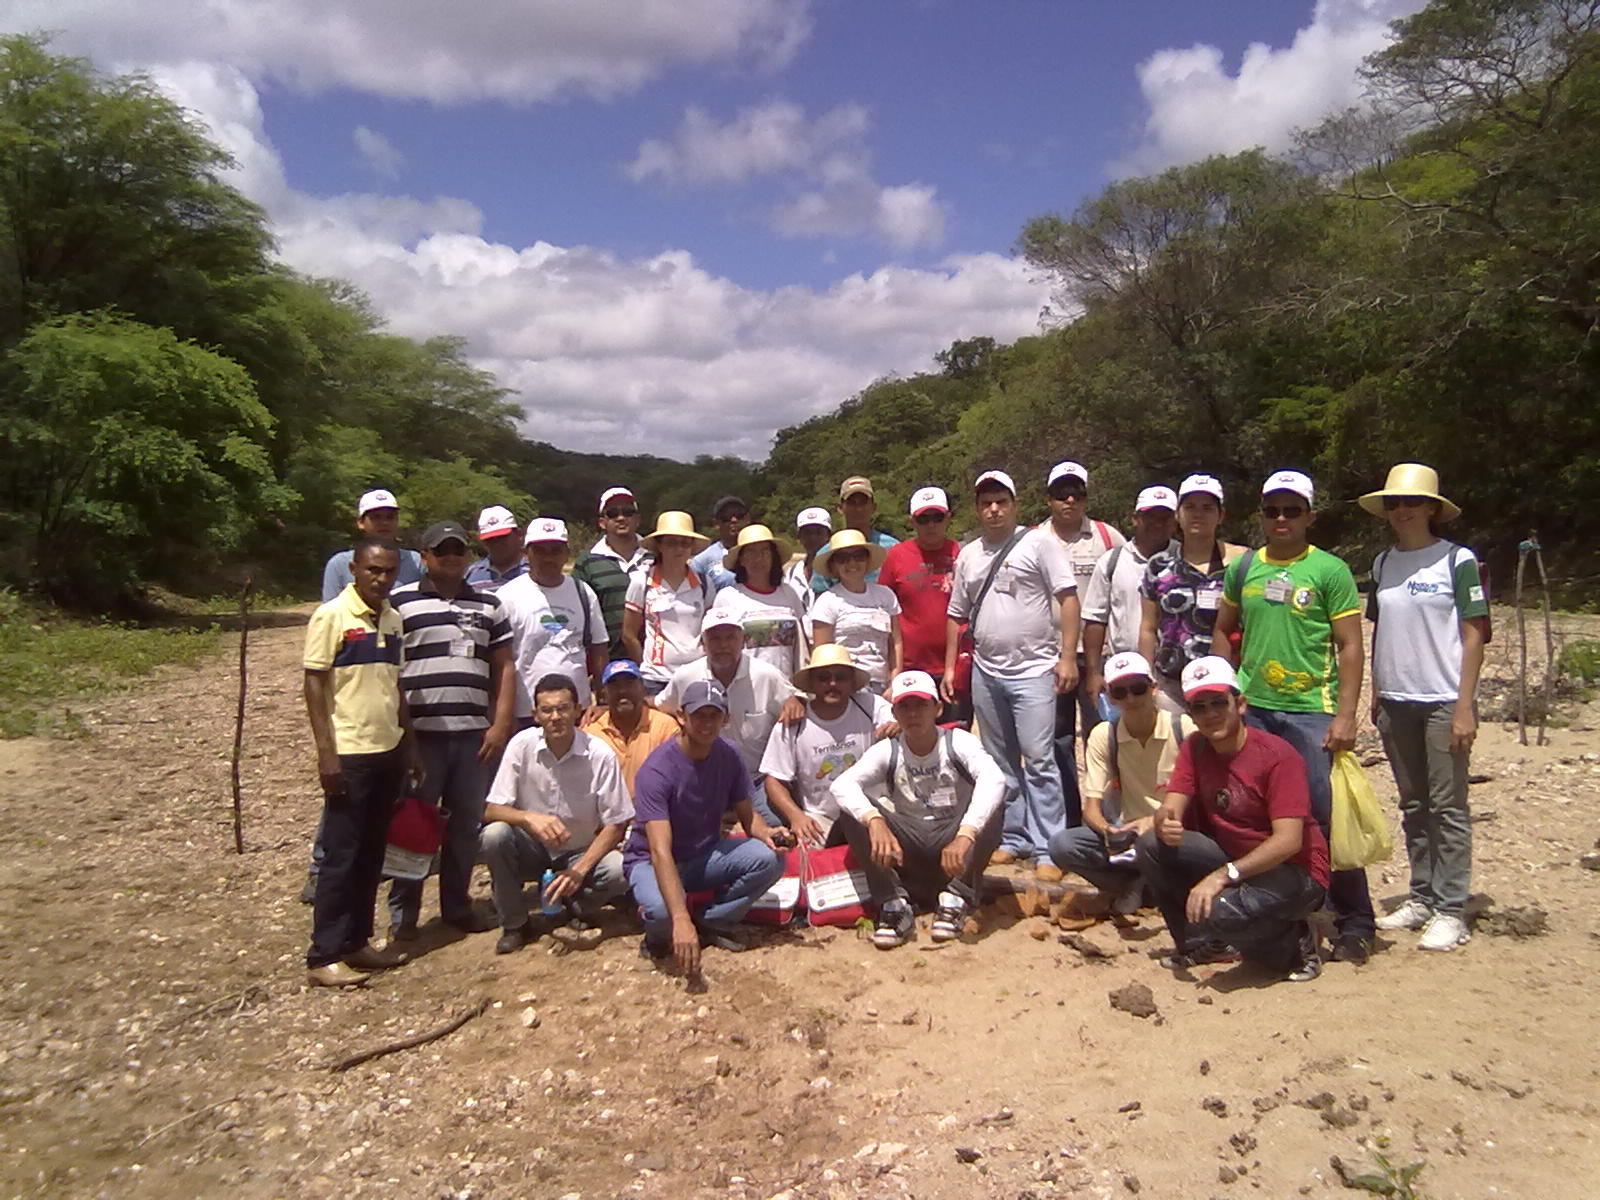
<point>1420,280</point>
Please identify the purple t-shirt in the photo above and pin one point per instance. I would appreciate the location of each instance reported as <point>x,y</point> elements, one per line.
<point>691,795</point>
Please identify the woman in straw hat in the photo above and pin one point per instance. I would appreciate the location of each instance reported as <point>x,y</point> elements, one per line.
<point>767,606</point>
<point>667,601</point>
<point>862,617</point>
<point>1429,609</point>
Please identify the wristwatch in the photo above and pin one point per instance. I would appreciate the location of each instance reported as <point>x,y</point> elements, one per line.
<point>1233,872</point>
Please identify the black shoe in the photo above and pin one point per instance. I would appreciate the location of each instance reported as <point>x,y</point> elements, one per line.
<point>654,951</point>
<point>308,894</point>
<point>1308,958</point>
<point>403,931</point>
<point>514,939</point>
<point>896,925</point>
<point>1352,948</point>
<point>1199,955</point>
<point>722,939</point>
<point>471,921</point>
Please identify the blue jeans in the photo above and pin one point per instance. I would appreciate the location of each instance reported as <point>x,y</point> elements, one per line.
<point>758,801</point>
<point>735,871</point>
<point>1017,722</point>
<point>1347,890</point>
<point>1082,851</point>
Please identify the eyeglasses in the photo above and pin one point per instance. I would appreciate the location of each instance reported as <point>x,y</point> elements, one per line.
<point>1390,503</point>
<point>929,518</point>
<point>1289,512</point>
<point>832,675</point>
<point>1208,704</point>
<point>1064,494</point>
<point>612,514</point>
<point>850,556</point>
<point>1137,688</point>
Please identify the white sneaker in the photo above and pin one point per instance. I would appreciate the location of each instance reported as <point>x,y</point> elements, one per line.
<point>1413,914</point>
<point>1127,902</point>
<point>949,917</point>
<point>1443,932</point>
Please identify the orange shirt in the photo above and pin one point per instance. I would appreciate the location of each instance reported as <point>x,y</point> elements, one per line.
<point>654,728</point>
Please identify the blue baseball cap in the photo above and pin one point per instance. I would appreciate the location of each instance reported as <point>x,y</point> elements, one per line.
<point>621,666</point>
<point>704,693</point>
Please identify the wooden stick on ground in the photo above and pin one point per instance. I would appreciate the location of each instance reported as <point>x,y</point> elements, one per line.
<point>238,721</point>
<point>1522,640</point>
<point>1549,642</point>
<point>188,1116</point>
<point>410,1043</point>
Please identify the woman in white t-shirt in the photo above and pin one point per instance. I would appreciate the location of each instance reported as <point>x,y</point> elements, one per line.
<point>768,608</point>
<point>1430,615</point>
<point>666,601</point>
<point>862,617</point>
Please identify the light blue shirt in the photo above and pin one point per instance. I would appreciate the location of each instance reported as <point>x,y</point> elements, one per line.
<point>337,572</point>
<point>708,565</point>
<point>485,578</point>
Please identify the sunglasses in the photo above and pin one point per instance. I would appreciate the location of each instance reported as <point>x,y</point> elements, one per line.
<point>929,518</point>
<point>1119,691</point>
<point>1390,503</point>
<point>850,556</point>
<point>732,515</point>
<point>832,674</point>
<point>1289,512</point>
<point>1208,704</point>
<point>449,550</point>
<point>1069,494</point>
<point>612,514</point>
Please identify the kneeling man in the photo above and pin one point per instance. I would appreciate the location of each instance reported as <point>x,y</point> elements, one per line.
<point>558,804</point>
<point>1235,858</point>
<point>677,847</point>
<point>922,810</point>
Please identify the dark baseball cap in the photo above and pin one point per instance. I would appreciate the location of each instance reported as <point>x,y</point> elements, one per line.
<point>728,502</point>
<point>442,531</point>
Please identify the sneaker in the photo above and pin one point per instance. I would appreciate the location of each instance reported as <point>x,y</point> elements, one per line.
<point>896,926</point>
<point>949,918</point>
<point>1310,958</point>
<point>1202,954</point>
<point>512,940</point>
<point>1443,932</point>
<point>1413,914</point>
<point>1352,948</point>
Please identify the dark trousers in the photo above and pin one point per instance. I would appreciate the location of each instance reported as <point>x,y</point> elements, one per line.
<point>355,828</point>
<point>959,713</point>
<point>1069,707</point>
<point>1262,917</point>
<point>453,777</point>
<point>920,877</point>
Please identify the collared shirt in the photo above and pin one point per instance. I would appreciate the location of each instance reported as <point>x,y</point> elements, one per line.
<point>583,787</point>
<point>363,651</point>
<point>708,565</point>
<point>755,697</point>
<point>1143,768</point>
<point>1115,602</point>
<point>446,676</point>
<point>640,558</point>
<point>671,616</point>
<point>483,576</point>
<point>1084,549</point>
<point>337,573</point>
<point>632,749</point>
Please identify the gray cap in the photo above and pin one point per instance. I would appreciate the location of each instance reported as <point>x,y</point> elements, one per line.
<point>442,531</point>
<point>704,693</point>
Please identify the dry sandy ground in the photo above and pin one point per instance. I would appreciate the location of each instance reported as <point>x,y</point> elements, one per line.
<point>157,1039</point>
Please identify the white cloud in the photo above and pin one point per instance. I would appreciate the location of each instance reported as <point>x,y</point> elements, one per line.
<point>379,154</point>
<point>1197,108</point>
<point>511,50</point>
<point>612,353</point>
<point>825,161</point>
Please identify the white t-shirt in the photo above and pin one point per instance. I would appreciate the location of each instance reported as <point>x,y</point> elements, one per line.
<point>547,633</point>
<point>1416,648</point>
<point>671,620</point>
<point>861,624</point>
<point>1115,603</point>
<point>771,623</point>
<point>926,786</point>
<point>1017,635</point>
<point>1084,549</point>
<point>755,696</point>
<point>811,755</point>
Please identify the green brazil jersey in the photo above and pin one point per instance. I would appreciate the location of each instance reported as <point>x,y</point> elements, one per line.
<point>1288,661</point>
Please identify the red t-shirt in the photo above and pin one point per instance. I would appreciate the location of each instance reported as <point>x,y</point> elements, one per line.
<point>1234,799</point>
<point>920,580</point>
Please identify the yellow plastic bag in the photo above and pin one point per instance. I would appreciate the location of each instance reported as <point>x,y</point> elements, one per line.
<point>1358,834</point>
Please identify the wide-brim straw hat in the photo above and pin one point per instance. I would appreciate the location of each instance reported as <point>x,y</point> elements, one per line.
<point>750,535</point>
<point>830,655</point>
<point>848,539</point>
<point>1409,479</point>
<point>673,524</point>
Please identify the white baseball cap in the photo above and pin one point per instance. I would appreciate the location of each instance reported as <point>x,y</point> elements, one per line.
<point>496,521</point>
<point>1209,484</point>
<point>1289,481</point>
<point>1156,497</point>
<point>929,497</point>
<point>717,618</point>
<point>611,494</point>
<point>1212,673</point>
<point>1063,469</point>
<point>545,529</point>
<point>999,477</point>
<point>813,516</point>
<point>913,683</point>
<point>1121,666</point>
<point>376,498</point>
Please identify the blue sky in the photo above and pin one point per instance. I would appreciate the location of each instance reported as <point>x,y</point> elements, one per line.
<point>679,225</point>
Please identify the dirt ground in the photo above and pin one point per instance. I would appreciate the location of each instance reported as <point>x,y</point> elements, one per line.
<point>157,1037</point>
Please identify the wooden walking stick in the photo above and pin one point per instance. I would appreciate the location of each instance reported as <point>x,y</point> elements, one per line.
<point>1522,639</point>
<point>238,720</point>
<point>1549,638</point>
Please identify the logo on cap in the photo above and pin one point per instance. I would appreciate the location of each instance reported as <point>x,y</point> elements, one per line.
<point>546,529</point>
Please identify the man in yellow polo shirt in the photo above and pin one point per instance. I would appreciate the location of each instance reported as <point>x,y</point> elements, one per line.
<point>353,655</point>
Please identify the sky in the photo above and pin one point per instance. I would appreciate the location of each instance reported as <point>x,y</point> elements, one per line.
<point>677,226</point>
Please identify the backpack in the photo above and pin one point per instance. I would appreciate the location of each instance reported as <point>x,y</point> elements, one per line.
<point>1103,532</point>
<point>949,752</point>
<point>1450,566</point>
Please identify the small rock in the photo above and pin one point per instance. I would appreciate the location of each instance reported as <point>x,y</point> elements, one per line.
<point>529,1018</point>
<point>1205,1066</point>
<point>1038,929</point>
<point>967,1154</point>
<point>1131,1182</point>
<point>1130,1106</point>
<point>1205,1000</point>
<point>1339,1118</point>
<point>1215,1105</point>
<point>1136,999</point>
<point>1226,1175</point>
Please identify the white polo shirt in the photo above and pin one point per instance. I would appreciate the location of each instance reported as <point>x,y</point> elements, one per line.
<point>671,616</point>
<point>755,696</point>
<point>583,787</point>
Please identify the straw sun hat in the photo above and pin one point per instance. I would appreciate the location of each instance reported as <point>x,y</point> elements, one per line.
<point>673,524</point>
<point>830,655</point>
<point>1409,479</point>
<point>848,539</point>
<point>752,535</point>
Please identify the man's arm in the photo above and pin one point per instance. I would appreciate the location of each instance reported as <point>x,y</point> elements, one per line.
<point>1282,844</point>
<point>1223,629</point>
<point>1094,648</point>
<point>685,937</point>
<point>1149,628</point>
<point>1067,664</point>
<point>319,707</point>
<point>1347,639</point>
<point>952,644</point>
<point>502,703</point>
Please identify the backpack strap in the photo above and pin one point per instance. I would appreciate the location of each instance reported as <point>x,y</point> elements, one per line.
<point>994,569</point>
<point>1111,567</point>
<point>1103,532</point>
<point>1111,751</point>
<point>950,753</point>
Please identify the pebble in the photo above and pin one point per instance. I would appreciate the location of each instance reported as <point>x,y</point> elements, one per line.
<point>529,1018</point>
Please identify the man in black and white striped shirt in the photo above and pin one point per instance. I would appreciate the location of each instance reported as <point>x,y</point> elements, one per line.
<point>461,689</point>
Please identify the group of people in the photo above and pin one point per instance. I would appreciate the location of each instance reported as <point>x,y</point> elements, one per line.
<point>671,714</point>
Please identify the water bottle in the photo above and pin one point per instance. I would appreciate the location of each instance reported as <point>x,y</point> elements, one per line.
<point>546,906</point>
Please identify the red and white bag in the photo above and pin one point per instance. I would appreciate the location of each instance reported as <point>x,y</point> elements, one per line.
<point>777,905</point>
<point>835,887</point>
<point>416,830</point>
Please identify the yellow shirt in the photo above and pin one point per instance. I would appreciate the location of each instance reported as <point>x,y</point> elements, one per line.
<point>364,652</point>
<point>1143,768</point>
<point>654,728</point>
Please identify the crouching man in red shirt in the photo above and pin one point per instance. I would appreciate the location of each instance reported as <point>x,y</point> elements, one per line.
<point>1235,860</point>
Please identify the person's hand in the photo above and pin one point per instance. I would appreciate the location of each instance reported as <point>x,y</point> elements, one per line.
<point>686,945</point>
<point>493,742</point>
<point>1463,730</point>
<point>1140,827</point>
<point>947,685</point>
<point>565,883</point>
<point>1094,682</point>
<point>552,831</point>
<point>805,828</point>
<point>885,846</point>
<point>953,858</point>
<point>1066,674</point>
<point>330,776</point>
<point>1168,826</point>
<point>1341,735</point>
<point>792,712</point>
<point>591,714</point>
<point>416,773</point>
<point>889,728</point>
<point>1198,906</point>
